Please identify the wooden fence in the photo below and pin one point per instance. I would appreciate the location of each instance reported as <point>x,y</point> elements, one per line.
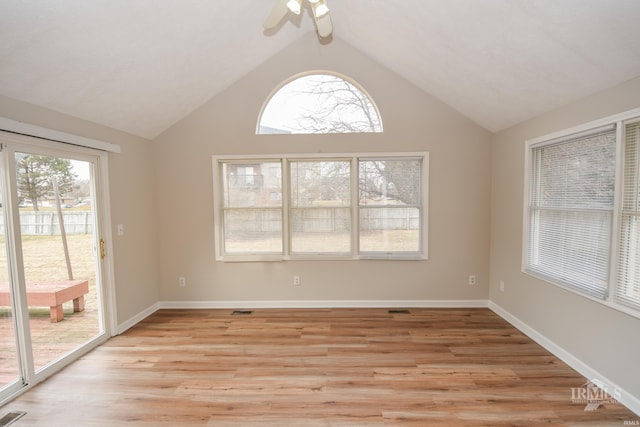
<point>322,220</point>
<point>45,223</point>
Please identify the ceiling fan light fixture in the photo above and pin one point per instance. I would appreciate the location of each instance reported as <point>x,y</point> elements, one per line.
<point>320,9</point>
<point>294,6</point>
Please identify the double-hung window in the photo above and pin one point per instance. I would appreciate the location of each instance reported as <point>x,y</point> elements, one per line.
<point>571,210</point>
<point>251,207</point>
<point>627,284</point>
<point>321,206</point>
<point>390,205</point>
<point>582,211</point>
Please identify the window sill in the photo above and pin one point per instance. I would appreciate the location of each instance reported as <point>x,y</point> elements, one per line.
<point>251,258</point>
<point>607,302</point>
<point>279,258</point>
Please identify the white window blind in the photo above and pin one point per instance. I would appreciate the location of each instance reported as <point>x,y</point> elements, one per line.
<point>571,203</point>
<point>628,270</point>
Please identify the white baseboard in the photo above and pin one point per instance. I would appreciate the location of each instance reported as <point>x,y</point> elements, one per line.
<point>326,304</point>
<point>298,304</point>
<point>625,398</point>
<point>137,318</point>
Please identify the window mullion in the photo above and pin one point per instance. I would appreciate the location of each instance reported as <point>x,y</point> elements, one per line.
<point>355,208</point>
<point>618,212</point>
<point>286,195</point>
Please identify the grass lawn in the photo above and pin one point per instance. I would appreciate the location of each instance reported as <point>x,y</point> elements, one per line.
<point>44,260</point>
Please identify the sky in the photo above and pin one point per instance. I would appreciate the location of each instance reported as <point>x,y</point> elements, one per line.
<point>81,169</point>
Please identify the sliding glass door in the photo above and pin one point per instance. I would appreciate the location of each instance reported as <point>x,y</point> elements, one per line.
<point>52,301</point>
<point>10,374</point>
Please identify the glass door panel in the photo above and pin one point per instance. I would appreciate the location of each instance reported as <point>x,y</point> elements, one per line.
<point>59,255</point>
<point>9,364</point>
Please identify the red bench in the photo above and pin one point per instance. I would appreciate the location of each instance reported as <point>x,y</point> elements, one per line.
<point>51,294</point>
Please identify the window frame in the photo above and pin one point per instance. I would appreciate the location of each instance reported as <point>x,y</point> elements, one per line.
<point>562,211</point>
<point>286,159</point>
<point>291,209</point>
<point>619,121</point>
<point>360,206</point>
<point>619,270</point>
<point>223,209</point>
<point>315,72</point>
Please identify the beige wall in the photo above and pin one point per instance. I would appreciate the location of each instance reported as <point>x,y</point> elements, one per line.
<point>132,203</point>
<point>413,121</point>
<point>603,338</point>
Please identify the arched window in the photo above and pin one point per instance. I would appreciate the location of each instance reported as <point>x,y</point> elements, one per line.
<point>319,103</point>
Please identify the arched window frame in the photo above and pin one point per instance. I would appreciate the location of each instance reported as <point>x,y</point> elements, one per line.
<point>298,76</point>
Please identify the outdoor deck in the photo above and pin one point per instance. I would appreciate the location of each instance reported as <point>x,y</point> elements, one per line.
<point>52,295</point>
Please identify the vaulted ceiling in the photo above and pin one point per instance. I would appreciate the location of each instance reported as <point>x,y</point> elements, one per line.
<point>141,65</point>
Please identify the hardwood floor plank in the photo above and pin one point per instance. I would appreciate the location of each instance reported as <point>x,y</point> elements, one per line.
<point>316,367</point>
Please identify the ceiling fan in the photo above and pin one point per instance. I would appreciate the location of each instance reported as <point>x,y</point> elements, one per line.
<point>320,14</point>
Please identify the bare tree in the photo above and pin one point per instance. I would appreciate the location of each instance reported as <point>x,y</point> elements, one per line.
<point>395,181</point>
<point>340,107</point>
<point>330,104</point>
<point>320,181</point>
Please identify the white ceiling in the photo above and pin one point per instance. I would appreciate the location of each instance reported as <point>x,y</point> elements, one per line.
<point>141,65</point>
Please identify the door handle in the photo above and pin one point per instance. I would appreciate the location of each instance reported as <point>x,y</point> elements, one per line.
<point>102,253</point>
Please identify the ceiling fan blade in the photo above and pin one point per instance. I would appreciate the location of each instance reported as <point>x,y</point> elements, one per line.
<point>276,15</point>
<point>322,18</point>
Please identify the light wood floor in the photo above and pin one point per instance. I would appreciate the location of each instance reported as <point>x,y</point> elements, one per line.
<point>343,367</point>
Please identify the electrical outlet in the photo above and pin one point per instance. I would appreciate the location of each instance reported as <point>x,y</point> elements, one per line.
<point>296,280</point>
<point>472,280</point>
<point>502,285</point>
<point>182,282</point>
